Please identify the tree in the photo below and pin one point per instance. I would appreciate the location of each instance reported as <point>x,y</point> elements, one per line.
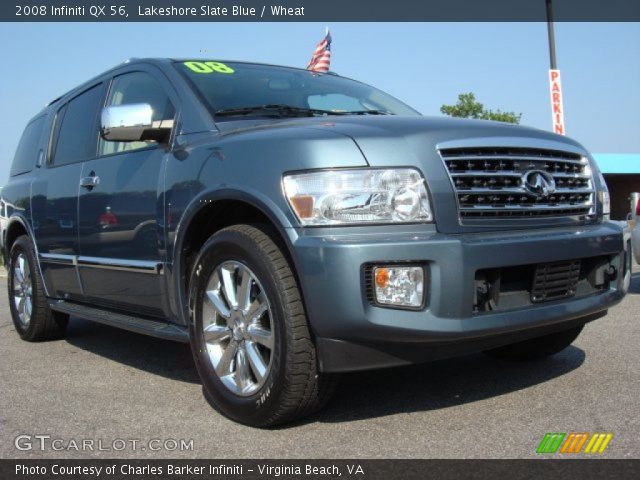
<point>469,107</point>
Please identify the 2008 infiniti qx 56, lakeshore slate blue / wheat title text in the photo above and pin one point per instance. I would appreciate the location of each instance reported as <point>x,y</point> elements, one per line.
<point>293,225</point>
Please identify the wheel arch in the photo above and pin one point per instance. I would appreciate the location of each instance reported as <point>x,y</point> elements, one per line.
<point>212,211</point>
<point>16,227</point>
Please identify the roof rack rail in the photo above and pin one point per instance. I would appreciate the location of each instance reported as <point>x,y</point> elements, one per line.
<point>54,100</point>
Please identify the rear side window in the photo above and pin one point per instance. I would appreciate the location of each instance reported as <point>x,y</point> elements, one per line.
<point>27,152</point>
<point>78,128</point>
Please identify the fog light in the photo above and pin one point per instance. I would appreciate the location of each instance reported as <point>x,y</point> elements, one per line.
<point>399,286</point>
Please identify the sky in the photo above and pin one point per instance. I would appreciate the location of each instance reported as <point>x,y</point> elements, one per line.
<point>424,64</point>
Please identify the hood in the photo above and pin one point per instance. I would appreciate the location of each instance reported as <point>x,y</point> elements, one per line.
<point>378,136</point>
<point>396,141</point>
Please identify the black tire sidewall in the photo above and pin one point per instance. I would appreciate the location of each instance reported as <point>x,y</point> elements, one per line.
<point>23,245</point>
<point>232,245</point>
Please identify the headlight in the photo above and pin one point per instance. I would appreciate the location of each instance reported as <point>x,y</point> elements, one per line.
<point>603,196</point>
<point>337,197</point>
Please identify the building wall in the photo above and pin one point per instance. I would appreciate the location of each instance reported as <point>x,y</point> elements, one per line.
<point>620,187</point>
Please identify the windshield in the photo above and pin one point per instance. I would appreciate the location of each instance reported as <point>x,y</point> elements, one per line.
<point>234,90</point>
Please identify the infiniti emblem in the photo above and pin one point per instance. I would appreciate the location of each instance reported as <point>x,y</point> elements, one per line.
<point>539,183</point>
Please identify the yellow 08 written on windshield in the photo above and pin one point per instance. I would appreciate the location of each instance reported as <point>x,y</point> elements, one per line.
<point>208,67</point>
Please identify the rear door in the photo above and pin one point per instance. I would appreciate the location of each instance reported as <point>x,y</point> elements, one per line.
<point>121,212</point>
<point>54,200</point>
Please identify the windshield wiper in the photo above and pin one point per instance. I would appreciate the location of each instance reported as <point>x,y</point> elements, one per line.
<point>366,112</point>
<point>273,110</point>
<point>279,110</point>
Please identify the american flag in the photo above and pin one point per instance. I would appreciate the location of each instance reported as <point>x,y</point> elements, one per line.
<point>321,58</point>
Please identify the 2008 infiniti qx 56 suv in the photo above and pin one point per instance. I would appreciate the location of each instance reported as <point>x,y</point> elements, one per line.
<point>292,225</point>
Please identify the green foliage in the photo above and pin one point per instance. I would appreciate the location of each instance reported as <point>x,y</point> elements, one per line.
<point>469,107</point>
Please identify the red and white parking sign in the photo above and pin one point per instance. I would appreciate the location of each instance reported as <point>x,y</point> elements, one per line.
<point>557,110</point>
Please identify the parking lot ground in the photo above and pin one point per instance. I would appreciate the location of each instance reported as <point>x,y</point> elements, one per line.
<point>104,384</point>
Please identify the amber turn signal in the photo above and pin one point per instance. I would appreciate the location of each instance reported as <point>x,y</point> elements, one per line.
<point>382,277</point>
<point>303,206</point>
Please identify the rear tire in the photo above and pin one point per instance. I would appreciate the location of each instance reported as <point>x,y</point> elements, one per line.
<point>32,317</point>
<point>537,348</point>
<point>270,374</point>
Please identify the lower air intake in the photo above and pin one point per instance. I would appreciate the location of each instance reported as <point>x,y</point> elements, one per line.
<point>553,281</point>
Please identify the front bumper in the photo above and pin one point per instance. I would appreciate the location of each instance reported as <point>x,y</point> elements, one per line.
<point>353,334</point>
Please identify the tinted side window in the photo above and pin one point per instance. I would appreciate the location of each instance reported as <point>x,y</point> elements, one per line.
<point>27,151</point>
<point>78,132</point>
<point>137,87</point>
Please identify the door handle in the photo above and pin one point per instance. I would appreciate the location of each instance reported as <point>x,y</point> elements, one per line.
<point>89,182</point>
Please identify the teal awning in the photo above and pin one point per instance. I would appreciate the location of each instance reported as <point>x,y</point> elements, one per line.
<point>618,162</point>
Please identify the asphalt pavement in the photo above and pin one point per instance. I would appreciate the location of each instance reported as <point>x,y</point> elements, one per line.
<point>115,389</point>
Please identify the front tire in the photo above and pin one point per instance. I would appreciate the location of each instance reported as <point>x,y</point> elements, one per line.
<point>33,319</point>
<point>249,333</point>
<point>537,348</point>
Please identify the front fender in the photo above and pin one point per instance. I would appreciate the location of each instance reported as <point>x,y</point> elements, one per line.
<point>251,197</point>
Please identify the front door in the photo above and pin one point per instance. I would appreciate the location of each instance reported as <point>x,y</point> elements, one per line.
<point>120,212</point>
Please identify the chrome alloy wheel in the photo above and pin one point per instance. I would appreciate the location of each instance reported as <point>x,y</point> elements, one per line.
<point>22,289</point>
<point>237,328</point>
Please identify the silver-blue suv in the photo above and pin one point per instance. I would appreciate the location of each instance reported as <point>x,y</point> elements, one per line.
<point>293,225</point>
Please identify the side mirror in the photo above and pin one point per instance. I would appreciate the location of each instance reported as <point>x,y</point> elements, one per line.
<point>133,123</point>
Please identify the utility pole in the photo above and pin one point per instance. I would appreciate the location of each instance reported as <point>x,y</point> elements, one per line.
<point>555,84</point>
<point>552,38</point>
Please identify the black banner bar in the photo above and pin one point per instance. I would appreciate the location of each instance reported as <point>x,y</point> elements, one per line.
<point>317,10</point>
<point>584,469</point>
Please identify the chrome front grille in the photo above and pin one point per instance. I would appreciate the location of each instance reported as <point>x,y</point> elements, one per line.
<point>502,182</point>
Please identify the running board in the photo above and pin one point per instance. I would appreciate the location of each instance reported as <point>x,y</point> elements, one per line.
<point>119,320</point>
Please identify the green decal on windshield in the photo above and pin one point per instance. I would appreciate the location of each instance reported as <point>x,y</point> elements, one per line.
<point>208,67</point>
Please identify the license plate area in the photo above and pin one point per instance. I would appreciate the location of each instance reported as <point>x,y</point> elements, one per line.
<point>555,281</point>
